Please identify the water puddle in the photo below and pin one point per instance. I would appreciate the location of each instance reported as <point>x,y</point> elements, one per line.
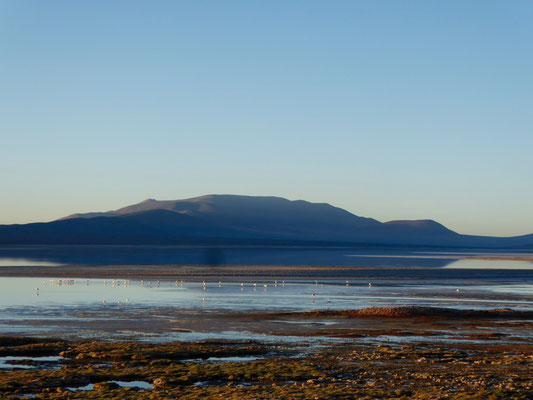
<point>323,323</point>
<point>21,362</point>
<point>228,359</point>
<point>133,384</point>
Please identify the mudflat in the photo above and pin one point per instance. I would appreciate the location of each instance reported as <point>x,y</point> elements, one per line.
<point>427,354</point>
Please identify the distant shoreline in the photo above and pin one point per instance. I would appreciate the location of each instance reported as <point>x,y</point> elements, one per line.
<point>258,272</point>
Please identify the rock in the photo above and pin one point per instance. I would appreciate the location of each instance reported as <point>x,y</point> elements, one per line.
<point>104,386</point>
<point>160,382</point>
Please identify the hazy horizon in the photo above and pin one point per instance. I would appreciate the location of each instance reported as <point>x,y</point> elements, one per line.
<point>390,110</point>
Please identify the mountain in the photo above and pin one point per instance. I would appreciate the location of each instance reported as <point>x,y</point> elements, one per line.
<point>255,217</point>
<point>230,219</point>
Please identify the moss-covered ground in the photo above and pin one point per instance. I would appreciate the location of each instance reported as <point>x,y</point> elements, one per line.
<point>342,371</point>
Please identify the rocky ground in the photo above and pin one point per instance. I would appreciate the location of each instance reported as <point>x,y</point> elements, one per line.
<point>47,368</point>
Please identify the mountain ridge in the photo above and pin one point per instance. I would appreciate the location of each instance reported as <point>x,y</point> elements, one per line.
<point>240,219</point>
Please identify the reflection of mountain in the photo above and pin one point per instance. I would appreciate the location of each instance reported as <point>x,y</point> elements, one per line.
<point>227,219</point>
<point>194,255</point>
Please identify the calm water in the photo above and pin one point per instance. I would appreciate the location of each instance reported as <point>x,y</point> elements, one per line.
<point>37,297</point>
<point>85,308</point>
<point>38,305</point>
<point>193,255</point>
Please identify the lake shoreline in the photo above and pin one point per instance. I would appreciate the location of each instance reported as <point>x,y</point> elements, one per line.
<point>238,272</point>
<point>478,362</point>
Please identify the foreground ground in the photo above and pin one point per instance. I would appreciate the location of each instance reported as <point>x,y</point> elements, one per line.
<point>484,366</point>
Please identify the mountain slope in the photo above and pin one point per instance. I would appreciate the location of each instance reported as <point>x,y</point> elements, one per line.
<point>230,219</point>
<point>258,216</point>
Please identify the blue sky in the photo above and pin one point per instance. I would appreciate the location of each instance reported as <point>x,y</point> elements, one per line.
<point>390,109</point>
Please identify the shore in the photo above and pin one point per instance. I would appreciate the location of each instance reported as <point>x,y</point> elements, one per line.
<point>428,354</point>
<point>238,272</point>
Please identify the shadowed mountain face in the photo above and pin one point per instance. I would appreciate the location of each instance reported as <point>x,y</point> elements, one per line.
<point>229,219</point>
<point>257,217</point>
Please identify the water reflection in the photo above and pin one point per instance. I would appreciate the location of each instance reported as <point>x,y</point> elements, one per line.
<point>197,255</point>
<point>37,297</point>
<point>25,262</point>
<point>176,310</point>
<point>490,264</point>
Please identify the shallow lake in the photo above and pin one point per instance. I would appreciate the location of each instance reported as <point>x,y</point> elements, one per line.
<point>399,277</point>
<point>27,298</point>
<point>176,310</point>
<point>194,255</point>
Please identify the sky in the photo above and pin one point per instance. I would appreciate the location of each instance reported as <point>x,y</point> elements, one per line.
<point>389,109</point>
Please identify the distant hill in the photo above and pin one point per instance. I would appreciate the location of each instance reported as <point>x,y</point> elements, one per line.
<point>231,219</point>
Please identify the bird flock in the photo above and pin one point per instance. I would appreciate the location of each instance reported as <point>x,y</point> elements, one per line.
<point>125,283</point>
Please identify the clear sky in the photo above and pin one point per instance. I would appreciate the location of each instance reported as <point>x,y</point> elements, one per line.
<point>390,109</point>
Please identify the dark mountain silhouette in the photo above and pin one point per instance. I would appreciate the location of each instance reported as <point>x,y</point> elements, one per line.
<point>229,219</point>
